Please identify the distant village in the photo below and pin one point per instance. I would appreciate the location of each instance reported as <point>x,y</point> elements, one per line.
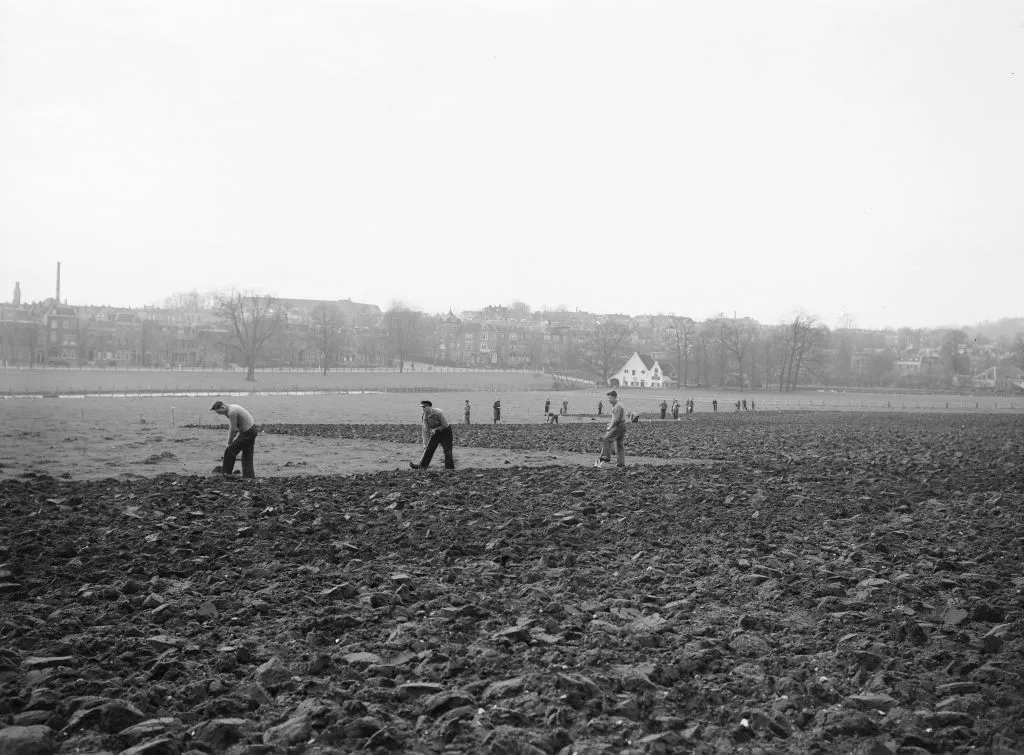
<point>194,331</point>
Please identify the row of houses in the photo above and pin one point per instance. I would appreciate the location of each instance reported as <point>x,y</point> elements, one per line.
<point>54,333</point>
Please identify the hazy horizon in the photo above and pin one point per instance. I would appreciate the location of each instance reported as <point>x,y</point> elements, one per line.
<point>859,159</point>
<point>457,310</point>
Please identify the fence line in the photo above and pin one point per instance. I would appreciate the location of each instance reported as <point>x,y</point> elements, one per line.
<point>265,370</point>
<point>296,391</point>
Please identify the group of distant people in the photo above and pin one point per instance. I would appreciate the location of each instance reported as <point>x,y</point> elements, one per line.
<point>676,406</point>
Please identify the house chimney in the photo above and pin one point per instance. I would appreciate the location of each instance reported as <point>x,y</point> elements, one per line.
<point>17,294</point>
<point>58,283</point>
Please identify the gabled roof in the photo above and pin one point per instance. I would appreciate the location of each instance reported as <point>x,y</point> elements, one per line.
<point>648,360</point>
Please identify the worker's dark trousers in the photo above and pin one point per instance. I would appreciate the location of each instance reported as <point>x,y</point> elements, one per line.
<point>246,443</point>
<point>446,439</point>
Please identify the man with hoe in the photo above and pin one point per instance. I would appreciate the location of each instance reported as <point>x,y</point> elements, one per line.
<point>241,437</point>
<point>615,436</point>
<point>435,430</point>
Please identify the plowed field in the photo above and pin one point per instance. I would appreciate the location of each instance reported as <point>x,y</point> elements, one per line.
<point>816,583</point>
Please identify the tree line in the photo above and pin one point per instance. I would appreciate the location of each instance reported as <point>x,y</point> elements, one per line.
<point>719,351</point>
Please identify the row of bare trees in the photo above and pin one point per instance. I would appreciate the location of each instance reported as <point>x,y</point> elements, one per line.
<point>252,320</point>
<point>719,351</point>
<point>728,350</point>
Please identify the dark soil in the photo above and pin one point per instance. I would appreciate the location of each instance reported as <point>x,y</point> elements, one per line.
<point>836,584</point>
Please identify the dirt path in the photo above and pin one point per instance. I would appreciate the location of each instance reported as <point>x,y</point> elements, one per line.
<point>90,452</point>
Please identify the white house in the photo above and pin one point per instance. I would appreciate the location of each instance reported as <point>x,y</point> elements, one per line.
<point>640,371</point>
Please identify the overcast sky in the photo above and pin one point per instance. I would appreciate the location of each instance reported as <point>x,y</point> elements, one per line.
<point>858,157</point>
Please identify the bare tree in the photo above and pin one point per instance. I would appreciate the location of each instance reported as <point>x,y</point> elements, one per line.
<point>705,339</point>
<point>328,332</point>
<point>368,345</point>
<point>879,366</point>
<point>604,352</point>
<point>736,337</point>
<point>678,334</point>
<point>402,326</point>
<point>950,349</point>
<point>252,319</point>
<point>803,340</point>
<point>190,301</point>
<point>520,310</point>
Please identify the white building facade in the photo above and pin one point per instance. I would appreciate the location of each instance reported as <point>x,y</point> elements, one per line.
<point>640,371</point>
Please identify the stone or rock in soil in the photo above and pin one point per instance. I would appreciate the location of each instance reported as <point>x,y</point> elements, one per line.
<point>273,673</point>
<point>27,740</point>
<point>220,733</point>
<point>36,663</point>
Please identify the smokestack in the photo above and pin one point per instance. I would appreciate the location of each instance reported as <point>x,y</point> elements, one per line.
<point>17,294</point>
<point>58,283</point>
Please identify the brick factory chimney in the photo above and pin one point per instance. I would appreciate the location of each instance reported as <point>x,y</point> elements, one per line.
<point>58,283</point>
<point>17,294</point>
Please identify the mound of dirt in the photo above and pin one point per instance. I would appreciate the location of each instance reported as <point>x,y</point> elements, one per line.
<point>160,458</point>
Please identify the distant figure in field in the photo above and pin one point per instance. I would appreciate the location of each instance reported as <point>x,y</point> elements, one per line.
<point>664,408</point>
<point>547,407</point>
<point>634,419</point>
<point>435,430</point>
<point>614,436</point>
<point>745,405</point>
<point>465,412</point>
<point>565,406</point>
<point>751,404</point>
<point>600,408</point>
<point>737,406</point>
<point>714,405</point>
<point>552,418</point>
<point>689,406</point>
<point>497,412</point>
<point>242,433</point>
<point>675,408</point>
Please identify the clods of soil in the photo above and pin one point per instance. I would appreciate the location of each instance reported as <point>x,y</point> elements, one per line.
<point>856,588</point>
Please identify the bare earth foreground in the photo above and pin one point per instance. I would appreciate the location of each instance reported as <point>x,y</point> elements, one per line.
<point>771,582</point>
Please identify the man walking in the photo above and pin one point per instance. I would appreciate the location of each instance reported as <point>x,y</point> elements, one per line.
<point>466,411</point>
<point>664,408</point>
<point>241,437</point>
<point>615,435</point>
<point>497,412</point>
<point>435,430</point>
<point>547,407</point>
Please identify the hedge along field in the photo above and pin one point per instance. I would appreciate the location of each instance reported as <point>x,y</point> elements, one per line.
<point>71,381</point>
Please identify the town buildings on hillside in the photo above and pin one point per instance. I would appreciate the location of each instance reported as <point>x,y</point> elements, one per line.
<point>720,351</point>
